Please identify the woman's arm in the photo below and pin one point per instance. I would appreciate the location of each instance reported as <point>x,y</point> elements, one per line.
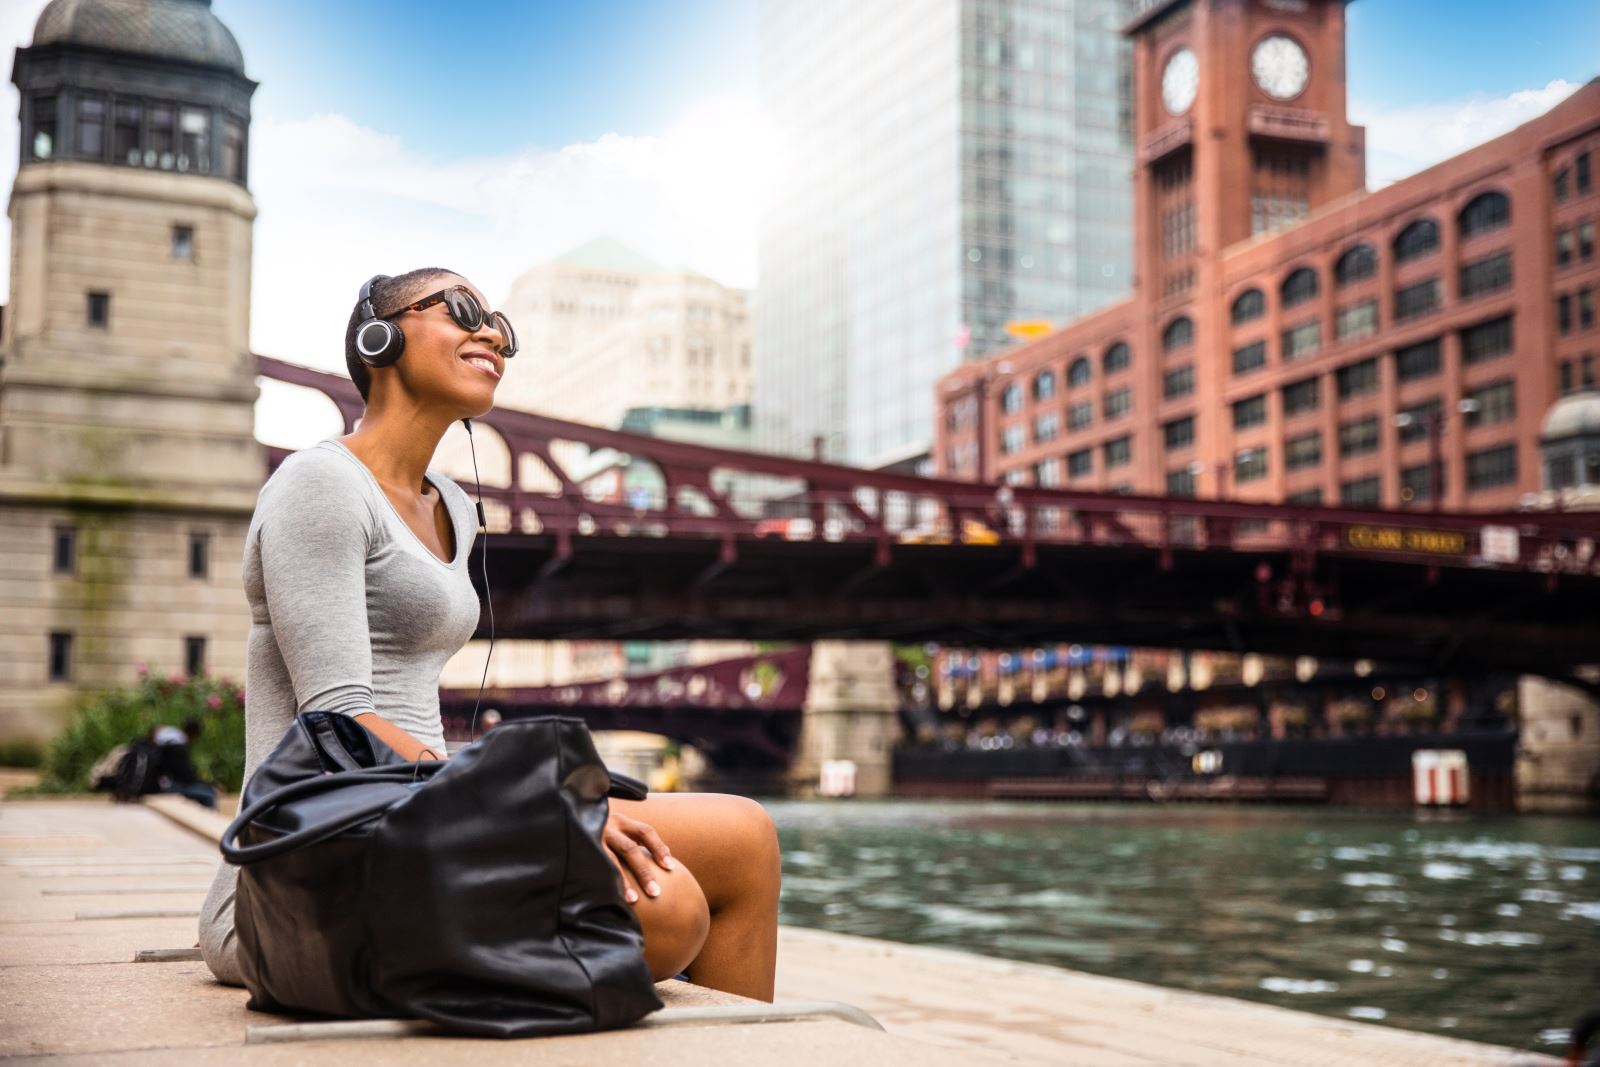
<point>402,742</point>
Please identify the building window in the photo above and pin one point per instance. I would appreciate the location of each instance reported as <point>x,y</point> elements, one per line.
<point>194,147</point>
<point>1358,263</point>
<point>1011,440</point>
<point>1080,415</point>
<point>1268,213</point>
<point>1566,247</point>
<point>1495,402</point>
<point>194,656</point>
<point>43,145</point>
<point>1080,463</point>
<point>1118,403</point>
<point>1117,358</point>
<point>1180,482</point>
<point>161,150</point>
<point>1485,212</point>
<point>1179,433</point>
<point>1251,357</point>
<point>1117,451</point>
<point>1046,427</point>
<point>1415,420</point>
<point>1581,173</point>
<point>1418,299</point>
<point>1491,467</point>
<point>1417,240</point>
<point>1486,275</point>
<point>1302,340</point>
<point>1249,306</point>
<point>1011,399</point>
<point>1178,382</point>
<point>1486,340</point>
<point>98,310</point>
<point>60,657</point>
<point>1304,497</point>
<point>1563,184</point>
<point>1586,309</point>
<point>1299,287</point>
<point>1416,483</point>
<point>126,146</point>
<point>1250,465</point>
<point>1356,321</point>
<point>1361,492</point>
<point>183,242</point>
<point>1044,386</point>
<point>1302,452</point>
<point>64,558</point>
<point>1251,411</point>
<point>1078,374</point>
<point>199,553</point>
<point>1178,334</point>
<point>1566,377</point>
<point>1359,437</point>
<point>232,150</point>
<point>1301,397</point>
<point>1357,379</point>
<point>1417,361</point>
<point>91,127</point>
<point>1047,473</point>
<point>1564,313</point>
<point>1586,241</point>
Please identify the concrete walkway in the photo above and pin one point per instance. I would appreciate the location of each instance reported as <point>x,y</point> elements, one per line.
<point>87,886</point>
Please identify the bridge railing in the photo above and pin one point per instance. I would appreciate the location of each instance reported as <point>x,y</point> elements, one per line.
<point>578,481</point>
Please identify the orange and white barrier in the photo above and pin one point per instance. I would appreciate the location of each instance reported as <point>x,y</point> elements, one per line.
<point>1439,776</point>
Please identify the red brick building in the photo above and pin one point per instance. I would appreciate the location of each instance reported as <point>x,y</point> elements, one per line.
<point>1292,336</point>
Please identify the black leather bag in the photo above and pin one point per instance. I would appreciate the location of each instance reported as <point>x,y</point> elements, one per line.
<point>474,892</point>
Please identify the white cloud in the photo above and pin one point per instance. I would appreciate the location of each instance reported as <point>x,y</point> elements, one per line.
<point>1403,140</point>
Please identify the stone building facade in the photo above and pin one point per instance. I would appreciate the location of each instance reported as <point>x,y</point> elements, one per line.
<point>128,462</point>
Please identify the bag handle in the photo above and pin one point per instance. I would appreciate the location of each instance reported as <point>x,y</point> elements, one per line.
<point>244,855</point>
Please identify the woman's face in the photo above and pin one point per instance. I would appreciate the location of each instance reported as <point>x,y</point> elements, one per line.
<point>443,360</point>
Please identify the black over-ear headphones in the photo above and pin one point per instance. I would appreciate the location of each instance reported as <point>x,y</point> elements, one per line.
<point>379,342</point>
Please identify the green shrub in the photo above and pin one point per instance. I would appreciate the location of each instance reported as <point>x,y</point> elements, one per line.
<point>114,717</point>
<point>24,752</point>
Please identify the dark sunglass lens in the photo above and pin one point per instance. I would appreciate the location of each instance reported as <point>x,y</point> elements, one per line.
<point>503,324</point>
<point>464,309</point>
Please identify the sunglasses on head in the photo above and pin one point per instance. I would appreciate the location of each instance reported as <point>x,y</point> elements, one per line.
<point>467,313</point>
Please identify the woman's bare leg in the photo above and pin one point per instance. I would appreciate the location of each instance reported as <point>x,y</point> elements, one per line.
<point>728,843</point>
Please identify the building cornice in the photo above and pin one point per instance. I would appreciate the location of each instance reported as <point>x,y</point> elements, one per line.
<point>105,179</point>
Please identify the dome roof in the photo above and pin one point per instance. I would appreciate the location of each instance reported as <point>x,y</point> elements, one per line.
<point>1577,415</point>
<point>182,30</point>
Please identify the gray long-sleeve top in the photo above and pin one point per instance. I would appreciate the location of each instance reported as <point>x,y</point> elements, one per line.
<point>349,612</point>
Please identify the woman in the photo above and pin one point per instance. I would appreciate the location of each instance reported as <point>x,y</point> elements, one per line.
<point>355,569</point>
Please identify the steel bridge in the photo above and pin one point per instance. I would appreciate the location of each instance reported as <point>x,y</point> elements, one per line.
<point>629,537</point>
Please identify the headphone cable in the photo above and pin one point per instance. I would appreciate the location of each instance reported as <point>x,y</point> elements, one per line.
<point>472,729</point>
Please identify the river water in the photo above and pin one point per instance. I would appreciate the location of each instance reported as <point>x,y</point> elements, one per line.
<point>1480,928</point>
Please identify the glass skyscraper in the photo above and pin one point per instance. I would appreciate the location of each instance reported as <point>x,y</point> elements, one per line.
<point>948,166</point>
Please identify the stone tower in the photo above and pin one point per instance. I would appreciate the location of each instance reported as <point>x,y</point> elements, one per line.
<point>128,463</point>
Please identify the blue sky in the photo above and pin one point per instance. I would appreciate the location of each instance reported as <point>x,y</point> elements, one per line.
<point>489,136</point>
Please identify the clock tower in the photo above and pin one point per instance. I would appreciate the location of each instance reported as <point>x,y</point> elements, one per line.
<point>1240,126</point>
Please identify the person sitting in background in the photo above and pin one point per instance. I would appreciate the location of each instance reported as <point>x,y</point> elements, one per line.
<point>174,767</point>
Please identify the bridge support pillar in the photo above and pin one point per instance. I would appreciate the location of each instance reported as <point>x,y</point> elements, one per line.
<point>1558,753</point>
<point>851,713</point>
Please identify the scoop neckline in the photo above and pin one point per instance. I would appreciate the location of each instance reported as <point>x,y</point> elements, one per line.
<point>455,527</point>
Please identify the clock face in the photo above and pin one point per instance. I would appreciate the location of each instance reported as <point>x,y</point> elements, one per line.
<point>1280,67</point>
<point>1180,81</point>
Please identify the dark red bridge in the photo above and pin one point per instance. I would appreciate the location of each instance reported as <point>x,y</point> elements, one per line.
<point>712,542</point>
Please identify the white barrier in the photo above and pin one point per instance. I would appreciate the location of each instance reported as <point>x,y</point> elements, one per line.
<point>1440,777</point>
<point>838,778</point>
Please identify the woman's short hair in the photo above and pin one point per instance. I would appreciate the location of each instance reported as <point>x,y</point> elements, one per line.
<point>386,295</point>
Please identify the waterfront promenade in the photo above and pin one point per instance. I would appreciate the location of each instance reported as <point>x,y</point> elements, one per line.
<point>87,888</point>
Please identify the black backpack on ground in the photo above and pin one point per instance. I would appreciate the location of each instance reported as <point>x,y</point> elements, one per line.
<point>138,772</point>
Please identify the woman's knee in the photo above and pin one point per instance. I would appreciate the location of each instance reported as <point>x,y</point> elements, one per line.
<point>756,833</point>
<point>675,924</point>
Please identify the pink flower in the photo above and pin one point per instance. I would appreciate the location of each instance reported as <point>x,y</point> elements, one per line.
<point>241,694</point>
<point>176,678</point>
<point>213,702</point>
<point>144,668</point>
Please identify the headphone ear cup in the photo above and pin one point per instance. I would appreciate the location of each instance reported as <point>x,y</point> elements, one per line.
<point>379,342</point>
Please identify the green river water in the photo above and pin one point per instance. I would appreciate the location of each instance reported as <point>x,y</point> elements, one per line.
<point>1480,928</point>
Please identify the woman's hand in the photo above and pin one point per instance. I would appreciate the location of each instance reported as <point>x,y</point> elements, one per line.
<point>637,849</point>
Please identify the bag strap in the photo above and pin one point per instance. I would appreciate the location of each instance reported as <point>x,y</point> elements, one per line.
<point>244,855</point>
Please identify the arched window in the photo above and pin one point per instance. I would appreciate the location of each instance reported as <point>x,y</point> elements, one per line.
<point>1117,358</point>
<point>1078,373</point>
<point>1249,306</point>
<point>1011,399</point>
<point>1358,263</point>
<point>1299,286</point>
<point>1485,212</point>
<point>1044,385</point>
<point>1416,240</point>
<point>1178,334</point>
